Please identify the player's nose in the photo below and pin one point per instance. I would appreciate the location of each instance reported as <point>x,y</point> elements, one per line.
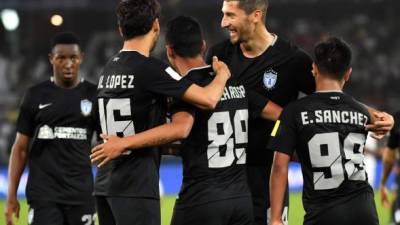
<point>224,22</point>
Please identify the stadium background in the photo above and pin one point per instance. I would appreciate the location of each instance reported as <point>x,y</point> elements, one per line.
<point>370,26</point>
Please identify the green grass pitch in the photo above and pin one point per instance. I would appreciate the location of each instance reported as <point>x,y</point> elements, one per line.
<point>295,213</point>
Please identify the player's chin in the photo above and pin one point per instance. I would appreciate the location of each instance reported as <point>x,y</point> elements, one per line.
<point>234,39</point>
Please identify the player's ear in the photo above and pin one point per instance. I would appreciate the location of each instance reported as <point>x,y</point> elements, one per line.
<point>348,74</point>
<point>203,47</point>
<point>170,52</point>
<point>257,16</point>
<point>314,70</point>
<point>50,58</point>
<point>156,26</point>
<point>120,31</point>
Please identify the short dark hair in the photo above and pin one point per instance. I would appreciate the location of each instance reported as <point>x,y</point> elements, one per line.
<point>65,38</point>
<point>250,5</point>
<point>136,17</point>
<point>333,57</point>
<point>184,36</point>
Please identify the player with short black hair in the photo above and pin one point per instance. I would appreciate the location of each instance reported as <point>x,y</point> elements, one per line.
<point>389,160</point>
<point>327,131</point>
<point>188,45</point>
<point>54,132</point>
<point>132,96</point>
<point>214,189</point>
<point>276,69</point>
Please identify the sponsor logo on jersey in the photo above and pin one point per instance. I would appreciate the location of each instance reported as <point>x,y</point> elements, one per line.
<point>42,106</point>
<point>46,132</point>
<point>86,107</point>
<point>270,78</point>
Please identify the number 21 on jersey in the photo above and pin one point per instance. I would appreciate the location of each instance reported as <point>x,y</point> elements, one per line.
<point>226,137</point>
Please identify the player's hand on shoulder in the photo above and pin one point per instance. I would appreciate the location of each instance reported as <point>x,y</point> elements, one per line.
<point>109,150</point>
<point>220,68</point>
<point>12,208</point>
<point>381,124</point>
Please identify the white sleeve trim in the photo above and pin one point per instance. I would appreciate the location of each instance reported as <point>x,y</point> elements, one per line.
<point>173,73</point>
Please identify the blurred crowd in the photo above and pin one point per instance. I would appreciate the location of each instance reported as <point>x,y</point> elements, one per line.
<point>370,27</point>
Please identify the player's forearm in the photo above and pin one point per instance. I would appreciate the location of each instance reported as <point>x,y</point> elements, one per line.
<point>389,158</point>
<point>271,111</point>
<point>157,136</point>
<point>215,89</point>
<point>278,182</point>
<point>206,97</point>
<point>16,166</point>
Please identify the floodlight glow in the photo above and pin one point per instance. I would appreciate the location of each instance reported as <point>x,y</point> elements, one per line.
<point>10,19</point>
<point>56,20</point>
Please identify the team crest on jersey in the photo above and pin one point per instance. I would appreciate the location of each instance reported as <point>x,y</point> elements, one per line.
<point>270,78</point>
<point>86,107</point>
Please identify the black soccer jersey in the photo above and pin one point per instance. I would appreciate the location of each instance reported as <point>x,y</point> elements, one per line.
<point>60,122</point>
<point>279,74</point>
<point>328,132</point>
<point>214,153</point>
<point>394,137</point>
<point>132,94</point>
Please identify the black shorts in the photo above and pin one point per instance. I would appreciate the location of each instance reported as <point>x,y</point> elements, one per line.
<point>236,211</point>
<point>359,210</point>
<point>49,213</point>
<point>128,211</point>
<point>258,180</point>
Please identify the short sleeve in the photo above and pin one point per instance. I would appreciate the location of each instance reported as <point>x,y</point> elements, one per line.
<point>393,141</point>
<point>257,102</point>
<point>283,135</point>
<point>25,122</point>
<point>304,78</point>
<point>162,79</point>
<point>178,105</point>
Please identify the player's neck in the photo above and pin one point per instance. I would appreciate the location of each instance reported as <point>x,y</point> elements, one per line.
<point>142,44</point>
<point>183,65</point>
<point>66,85</point>
<point>258,43</point>
<point>326,84</point>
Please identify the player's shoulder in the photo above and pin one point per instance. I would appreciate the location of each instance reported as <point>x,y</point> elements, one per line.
<point>89,85</point>
<point>222,50</point>
<point>354,103</point>
<point>301,103</point>
<point>221,46</point>
<point>41,86</point>
<point>285,46</point>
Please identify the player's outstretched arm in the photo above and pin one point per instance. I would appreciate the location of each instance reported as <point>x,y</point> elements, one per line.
<point>16,166</point>
<point>278,182</point>
<point>209,96</point>
<point>389,159</point>
<point>113,146</point>
<point>381,123</point>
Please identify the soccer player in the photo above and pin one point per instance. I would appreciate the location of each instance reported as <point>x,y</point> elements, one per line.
<point>327,131</point>
<point>276,69</point>
<point>132,96</point>
<point>273,67</point>
<point>389,159</point>
<point>54,132</point>
<point>214,189</point>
